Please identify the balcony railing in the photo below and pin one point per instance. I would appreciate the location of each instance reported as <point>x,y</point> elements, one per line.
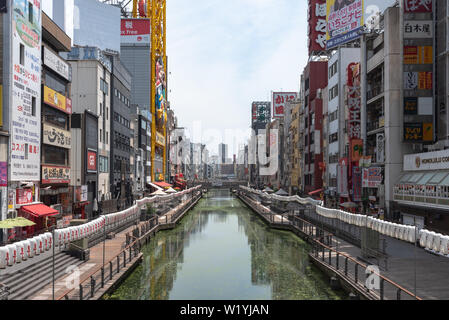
<point>438,195</point>
<point>375,91</point>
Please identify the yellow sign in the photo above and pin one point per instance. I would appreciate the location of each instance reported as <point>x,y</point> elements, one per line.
<point>57,100</point>
<point>428,131</point>
<point>160,139</point>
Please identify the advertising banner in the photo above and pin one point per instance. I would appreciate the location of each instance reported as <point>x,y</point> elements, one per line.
<point>56,137</point>
<point>24,196</point>
<point>80,193</point>
<point>437,160</point>
<point>25,90</point>
<point>280,100</point>
<point>57,64</point>
<point>356,184</point>
<point>418,29</point>
<point>91,161</point>
<point>3,174</point>
<point>415,6</point>
<point>344,21</point>
<point>418,55</point>
<point>160,139</point>
<point>135,31</point>
<point>57,100</point>
<point>354,101</point>
<point>372,177</point>
<point>356,150</point>
<point>261,113</point>
<point>342,177</point>
<point>317,26</point>
<point>418,132</point>
<point>54,174</point>
<point>380,145</point>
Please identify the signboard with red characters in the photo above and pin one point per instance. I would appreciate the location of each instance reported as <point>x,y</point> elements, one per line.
<point>135,31</point>
<point>317,26</point>
<point>24,196</point>
<point>414,6</point>
<point>91,161</point>
<point>280,100</point>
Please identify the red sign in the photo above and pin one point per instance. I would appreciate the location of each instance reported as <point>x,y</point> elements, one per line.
<point>135,31</point>
<point>55,174</point>
<point>317,25</point>
<point>91,161</point>
<point>413,6</point>
<point>354,101</point>
<point>24,196</point>
<point>280,100</point>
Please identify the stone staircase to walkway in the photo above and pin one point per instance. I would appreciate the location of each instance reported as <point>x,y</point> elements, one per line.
<point>27,281</point>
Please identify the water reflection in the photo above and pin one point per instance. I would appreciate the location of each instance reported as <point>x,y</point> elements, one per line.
<point>221,250</point>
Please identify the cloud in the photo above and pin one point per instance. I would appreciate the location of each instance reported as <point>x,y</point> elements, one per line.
<point>225,54</point>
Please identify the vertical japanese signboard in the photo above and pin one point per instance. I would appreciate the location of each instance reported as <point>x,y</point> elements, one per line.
<point>344,21</point>
<point>354,108</point>
<point>317,26</point>
<point>418,77</point>
<point>356,184</point>
<point>25,90</point>
<point>342,177</point>
<point>280,99</point>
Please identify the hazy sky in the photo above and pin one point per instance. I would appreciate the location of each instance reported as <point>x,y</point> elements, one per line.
<point>224,54</point>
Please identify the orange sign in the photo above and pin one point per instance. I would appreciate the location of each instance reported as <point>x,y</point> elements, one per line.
<point>356,150</point>
<point>57,100</point>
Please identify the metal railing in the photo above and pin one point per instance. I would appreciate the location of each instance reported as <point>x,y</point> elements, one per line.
<point>325,249</point>
<point>97,279</point>
<point>360,274</point>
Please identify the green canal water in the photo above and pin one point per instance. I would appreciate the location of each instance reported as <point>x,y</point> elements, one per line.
<point>222,251</point>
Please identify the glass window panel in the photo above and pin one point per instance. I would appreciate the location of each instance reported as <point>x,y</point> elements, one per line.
<point>425,178</point>
<point>437,178</point>
<point>415,177</point>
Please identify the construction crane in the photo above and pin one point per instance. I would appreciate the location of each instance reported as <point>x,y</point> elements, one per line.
<point>155,11</point>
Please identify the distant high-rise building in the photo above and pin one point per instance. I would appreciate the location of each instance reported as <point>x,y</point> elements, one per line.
<point>222,152</point>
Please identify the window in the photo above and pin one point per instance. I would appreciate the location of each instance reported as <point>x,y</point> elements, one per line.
<point>103,164</point>
<point>55,83</point>
<point>101,134</point>
<point>22,54</point>
<point>26,151</point>
<point>55,117</point>
<point>333,93</point>
<point>107,113</point>
<point>30,12</point>
<point>55,155</point>
<point>33,106</point>
<point>333,137</point>
<point>333,69</point>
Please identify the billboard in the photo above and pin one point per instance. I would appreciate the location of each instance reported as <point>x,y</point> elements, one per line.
<point>57,64</point>
<point>91,161</point>
<point>280,100</point>
<point>56,137</point>
<point>96,25</point>
<point>55,174</point>
<point>414,6</point>
<point>317,26</point>
<point>344,21</point>
<point>57,100</point>
<point>135,31</point>
<point>26,91</point>
<point>349,17</point>
<point>261,113</point>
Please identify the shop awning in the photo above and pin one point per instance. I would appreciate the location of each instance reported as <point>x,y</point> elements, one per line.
<point>315,192</point>
<point>162,184</point>
<point>40,210</point>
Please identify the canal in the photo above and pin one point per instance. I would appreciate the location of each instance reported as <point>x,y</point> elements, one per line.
<point>222,251</point>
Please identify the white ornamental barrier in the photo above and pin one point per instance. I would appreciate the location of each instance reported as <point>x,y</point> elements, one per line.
<point>20,251</point>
